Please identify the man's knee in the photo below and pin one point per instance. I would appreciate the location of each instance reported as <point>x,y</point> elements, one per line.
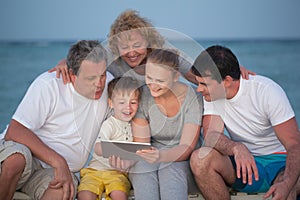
<point>200,159</point>
<point>13,165</point>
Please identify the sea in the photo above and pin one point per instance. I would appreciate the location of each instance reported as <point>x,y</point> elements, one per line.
<point>22,61</point>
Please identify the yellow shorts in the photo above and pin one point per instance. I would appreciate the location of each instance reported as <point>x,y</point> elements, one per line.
<point>103,181</point>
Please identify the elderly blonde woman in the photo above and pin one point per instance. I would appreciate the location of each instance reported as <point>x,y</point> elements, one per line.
<point>131,39</point>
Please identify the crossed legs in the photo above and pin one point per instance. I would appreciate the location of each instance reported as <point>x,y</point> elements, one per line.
<point>212,172</point>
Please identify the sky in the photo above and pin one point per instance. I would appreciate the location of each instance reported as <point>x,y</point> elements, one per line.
<point>198,19</point>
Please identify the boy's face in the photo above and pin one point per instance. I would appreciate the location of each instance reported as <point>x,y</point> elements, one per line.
<point>90,81</point>
<point>125,105</point>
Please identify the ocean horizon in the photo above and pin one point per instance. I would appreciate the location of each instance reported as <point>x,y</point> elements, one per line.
<point>22,61</point>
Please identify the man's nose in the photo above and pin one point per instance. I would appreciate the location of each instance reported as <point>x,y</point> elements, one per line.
<point>99,82</point>
<point>200,88</point>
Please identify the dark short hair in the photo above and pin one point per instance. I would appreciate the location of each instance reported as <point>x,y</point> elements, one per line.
<point>218,62</point>
<point>91,50</point>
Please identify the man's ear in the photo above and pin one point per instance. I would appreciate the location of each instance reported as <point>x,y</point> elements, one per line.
<point>72,75</point>
<point>228,81</point>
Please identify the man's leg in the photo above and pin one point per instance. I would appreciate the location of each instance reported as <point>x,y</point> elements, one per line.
<point>212,171</point>
<point>15,167</point>
<point>11,172</point>
<point>53,194</point>
<point>37,186</point>
<point>296,189</point>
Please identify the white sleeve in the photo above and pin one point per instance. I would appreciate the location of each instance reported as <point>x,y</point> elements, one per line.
<point>278,106</point>
<point>36,105</point>
<point>210,108</point>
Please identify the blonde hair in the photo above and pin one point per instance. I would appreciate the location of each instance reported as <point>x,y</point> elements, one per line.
<point>131,20</point>
<point>167,58</point>
<point>124,85</point>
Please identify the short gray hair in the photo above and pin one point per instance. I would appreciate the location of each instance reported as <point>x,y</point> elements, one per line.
<point>91,50</point>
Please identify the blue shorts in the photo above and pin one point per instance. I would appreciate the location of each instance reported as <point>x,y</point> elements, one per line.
<point>268,167</point>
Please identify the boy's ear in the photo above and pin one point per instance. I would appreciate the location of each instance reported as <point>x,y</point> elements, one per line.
<point>110,103</point>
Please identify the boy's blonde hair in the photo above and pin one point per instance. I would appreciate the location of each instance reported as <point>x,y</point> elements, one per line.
<point>124,85</point>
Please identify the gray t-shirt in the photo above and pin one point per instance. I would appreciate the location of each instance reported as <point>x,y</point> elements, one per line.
<point>119,68</point>
<point>166,131</point>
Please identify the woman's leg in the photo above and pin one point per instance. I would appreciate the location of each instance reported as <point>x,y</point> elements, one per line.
<point>173,180</point>
<point>143,177</point>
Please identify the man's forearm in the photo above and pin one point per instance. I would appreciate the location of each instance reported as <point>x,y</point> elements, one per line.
<point>19,133</point>
<point>292,169</point>
<point>220,142</point>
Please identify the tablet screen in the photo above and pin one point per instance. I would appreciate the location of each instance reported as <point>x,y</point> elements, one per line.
<point>123,149</point>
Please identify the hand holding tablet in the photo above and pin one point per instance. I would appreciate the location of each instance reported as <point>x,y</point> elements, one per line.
<point>123,149</point>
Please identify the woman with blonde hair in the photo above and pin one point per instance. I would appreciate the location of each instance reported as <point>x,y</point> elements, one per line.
<point>169,117</point>
<point>131,39</point>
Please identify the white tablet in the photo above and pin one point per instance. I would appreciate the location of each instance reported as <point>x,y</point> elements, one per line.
<point>123,149</point>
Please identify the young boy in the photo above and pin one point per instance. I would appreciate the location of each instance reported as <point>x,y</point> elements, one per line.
<point>123,97</point>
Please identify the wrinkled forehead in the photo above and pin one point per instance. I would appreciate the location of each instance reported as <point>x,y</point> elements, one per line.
<point>130,35</point>
<point>89,67</point>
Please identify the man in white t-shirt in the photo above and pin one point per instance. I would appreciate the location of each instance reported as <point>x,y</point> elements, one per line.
<point>262,151</point>
<point>54,128</point>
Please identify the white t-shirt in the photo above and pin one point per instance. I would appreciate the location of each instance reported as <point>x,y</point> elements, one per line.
<point>249,117</point>
<point>62,118</point>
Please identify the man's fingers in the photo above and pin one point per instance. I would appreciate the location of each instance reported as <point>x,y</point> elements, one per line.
<point>244,173</point>
<point>66,191</point>
<point>238,170</point>
<point>255,171</point>
<point>55,184</point>
<point>58,73</point>
<point>65,76</point>
<point>52,70</point>
<point>69,191</point>
<point>249,174</point>
<point>72,192</point>
<point>268,193</point>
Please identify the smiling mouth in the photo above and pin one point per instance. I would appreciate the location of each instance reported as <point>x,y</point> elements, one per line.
<point>127,113</point>
<point>155,90</point>
<point>133,58</point>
